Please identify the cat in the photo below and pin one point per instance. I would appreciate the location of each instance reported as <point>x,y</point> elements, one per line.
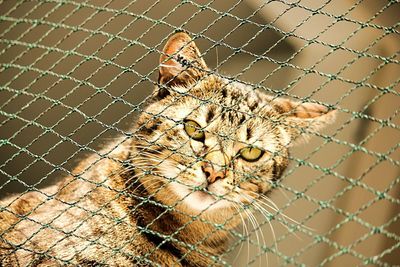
<point>171,193</point>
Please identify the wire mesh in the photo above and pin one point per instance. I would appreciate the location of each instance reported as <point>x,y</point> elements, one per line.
<point>76,74</point>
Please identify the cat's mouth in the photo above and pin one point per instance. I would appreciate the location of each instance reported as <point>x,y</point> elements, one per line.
<point>196,192</point>
<point>203,196</point>
<point>200,199</point>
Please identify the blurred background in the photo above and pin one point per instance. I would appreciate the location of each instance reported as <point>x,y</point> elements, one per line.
<point>75,74</point>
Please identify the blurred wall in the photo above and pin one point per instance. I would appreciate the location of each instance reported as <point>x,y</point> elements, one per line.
<point>102,65</point>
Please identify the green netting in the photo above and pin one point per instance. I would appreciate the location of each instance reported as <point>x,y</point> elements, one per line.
<point>75,74</point>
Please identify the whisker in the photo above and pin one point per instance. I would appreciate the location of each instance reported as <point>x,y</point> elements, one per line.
<point>279,212</point>
<point>261,210</point>
<point>244,229</point>
<point>262,234</point>
<point>265,213</point>
<point>284,193</point>
<point>142,175</point>
<point>248,241</point>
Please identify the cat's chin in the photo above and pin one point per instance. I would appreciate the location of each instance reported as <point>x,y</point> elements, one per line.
<point>200,201</point>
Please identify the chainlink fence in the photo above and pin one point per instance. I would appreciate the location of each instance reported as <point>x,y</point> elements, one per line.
<point>75,74</point>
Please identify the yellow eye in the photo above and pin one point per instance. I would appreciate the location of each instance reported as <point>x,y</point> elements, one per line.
<point>193,129</point>
<point>251,153</point>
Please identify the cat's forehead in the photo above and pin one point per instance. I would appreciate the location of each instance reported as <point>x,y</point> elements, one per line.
<point>226,105</point>
<point>221,89</point>
<point>234,102</point>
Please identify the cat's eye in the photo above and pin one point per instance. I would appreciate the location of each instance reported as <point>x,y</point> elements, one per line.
<point>251,153</point>
<point>193,129</point>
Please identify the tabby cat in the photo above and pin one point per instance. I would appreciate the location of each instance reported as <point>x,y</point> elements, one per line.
<point>171,193</point>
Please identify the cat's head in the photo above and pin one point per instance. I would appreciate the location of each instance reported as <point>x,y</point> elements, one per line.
<point>207,143</point>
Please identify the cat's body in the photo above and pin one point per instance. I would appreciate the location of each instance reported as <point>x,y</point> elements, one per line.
<point>170,194</point>
<point>93,215</point>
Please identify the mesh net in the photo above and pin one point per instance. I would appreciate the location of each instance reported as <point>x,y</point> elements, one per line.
<point>75,74</point>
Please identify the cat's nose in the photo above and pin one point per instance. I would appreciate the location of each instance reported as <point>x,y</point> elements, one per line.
<point>214,165</point>
<point>211,173</point>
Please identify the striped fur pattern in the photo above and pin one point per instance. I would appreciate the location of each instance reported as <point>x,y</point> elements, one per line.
<point>149,200</point>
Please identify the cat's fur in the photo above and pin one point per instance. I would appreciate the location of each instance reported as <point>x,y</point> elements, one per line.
<point>146,199</point>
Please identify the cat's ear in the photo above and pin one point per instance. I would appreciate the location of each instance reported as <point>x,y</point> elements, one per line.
<point>303,119</point>
<point>181,63</point>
